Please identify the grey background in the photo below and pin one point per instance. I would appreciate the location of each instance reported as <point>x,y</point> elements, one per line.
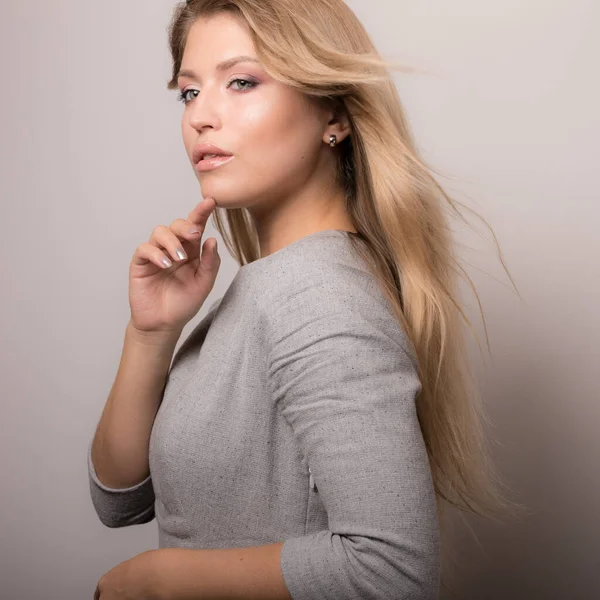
<point>92,161</point>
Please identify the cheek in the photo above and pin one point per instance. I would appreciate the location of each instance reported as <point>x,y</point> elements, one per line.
<point>257,127</point>
<point>274,136</point>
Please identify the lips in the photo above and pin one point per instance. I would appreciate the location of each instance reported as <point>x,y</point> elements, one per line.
<point>210,164</point>
<point>202,150</point>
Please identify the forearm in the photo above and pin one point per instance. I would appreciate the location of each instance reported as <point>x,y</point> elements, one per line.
<point>222,574</point>
<point>120,445</point>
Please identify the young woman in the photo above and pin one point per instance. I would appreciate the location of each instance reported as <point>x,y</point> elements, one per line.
<point>304,438</point>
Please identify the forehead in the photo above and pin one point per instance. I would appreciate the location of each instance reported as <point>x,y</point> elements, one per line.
<point>215,37</point>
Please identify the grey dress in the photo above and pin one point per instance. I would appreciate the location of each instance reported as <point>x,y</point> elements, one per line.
<point>289,416</point>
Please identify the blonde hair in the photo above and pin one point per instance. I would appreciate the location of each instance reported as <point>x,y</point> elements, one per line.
<point>399,211</point>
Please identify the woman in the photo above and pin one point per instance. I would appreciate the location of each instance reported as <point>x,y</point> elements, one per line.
<point>310,427</point>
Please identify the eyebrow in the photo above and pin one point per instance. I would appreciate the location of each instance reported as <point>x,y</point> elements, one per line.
<point>222,66</point>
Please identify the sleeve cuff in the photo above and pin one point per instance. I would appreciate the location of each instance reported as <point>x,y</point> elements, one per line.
<point>102,486</point>
<point>304,561</point>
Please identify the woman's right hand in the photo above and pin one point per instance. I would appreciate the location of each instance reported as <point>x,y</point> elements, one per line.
<point>163,299</point>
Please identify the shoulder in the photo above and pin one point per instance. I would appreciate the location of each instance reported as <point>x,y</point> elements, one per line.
<point>317,293</point>
<point>323,271</point>
<point>325,264</point>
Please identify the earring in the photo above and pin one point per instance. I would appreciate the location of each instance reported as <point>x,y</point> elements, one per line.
<point>332,140</point>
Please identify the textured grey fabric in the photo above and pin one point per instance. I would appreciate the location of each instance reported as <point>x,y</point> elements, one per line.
<point>300,365</point>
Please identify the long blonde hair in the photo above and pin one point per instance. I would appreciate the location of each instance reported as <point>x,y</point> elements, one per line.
<point>399,211</point>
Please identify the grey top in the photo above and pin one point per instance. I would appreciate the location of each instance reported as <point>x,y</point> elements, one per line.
<point>289,416</point>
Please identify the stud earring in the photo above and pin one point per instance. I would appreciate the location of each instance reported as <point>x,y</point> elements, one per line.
<point>332,140</point>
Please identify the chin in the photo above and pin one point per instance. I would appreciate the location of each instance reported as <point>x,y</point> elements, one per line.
<point>227,197</point>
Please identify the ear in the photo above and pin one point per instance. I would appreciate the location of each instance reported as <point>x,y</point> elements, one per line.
<point>338,125</point>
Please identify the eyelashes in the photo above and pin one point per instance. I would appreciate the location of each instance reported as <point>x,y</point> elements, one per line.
<point>185,99</point>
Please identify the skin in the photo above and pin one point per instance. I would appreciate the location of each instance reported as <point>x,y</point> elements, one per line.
<point>283,167</point>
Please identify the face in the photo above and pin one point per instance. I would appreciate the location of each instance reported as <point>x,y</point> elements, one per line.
<point>273,132</point>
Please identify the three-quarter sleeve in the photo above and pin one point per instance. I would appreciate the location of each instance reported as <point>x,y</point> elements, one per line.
<point>121,507</point>
<point>343,375</point>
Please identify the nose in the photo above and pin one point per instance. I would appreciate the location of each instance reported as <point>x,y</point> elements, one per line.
<point>204,109</point>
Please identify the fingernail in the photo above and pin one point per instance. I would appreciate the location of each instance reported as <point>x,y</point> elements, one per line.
<point>190,231</point>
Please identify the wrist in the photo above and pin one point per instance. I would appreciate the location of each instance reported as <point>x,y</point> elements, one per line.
<point>168,337</point>
<point>156,584</point>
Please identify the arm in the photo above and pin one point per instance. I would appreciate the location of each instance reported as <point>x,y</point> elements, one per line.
<point>120,482</point>
<point>120,447</point>
<point>121,489</point>
<point>222,574</point>
<point>344,377</point>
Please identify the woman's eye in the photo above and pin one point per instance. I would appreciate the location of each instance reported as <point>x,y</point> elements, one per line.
<point>183,97</point>
<point>247,84</point>
<point>251,84</point>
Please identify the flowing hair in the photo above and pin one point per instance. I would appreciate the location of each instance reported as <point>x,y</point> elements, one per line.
<point>401,215</point>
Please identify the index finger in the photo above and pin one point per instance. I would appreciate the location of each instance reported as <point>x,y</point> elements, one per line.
<point>200,213</point>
